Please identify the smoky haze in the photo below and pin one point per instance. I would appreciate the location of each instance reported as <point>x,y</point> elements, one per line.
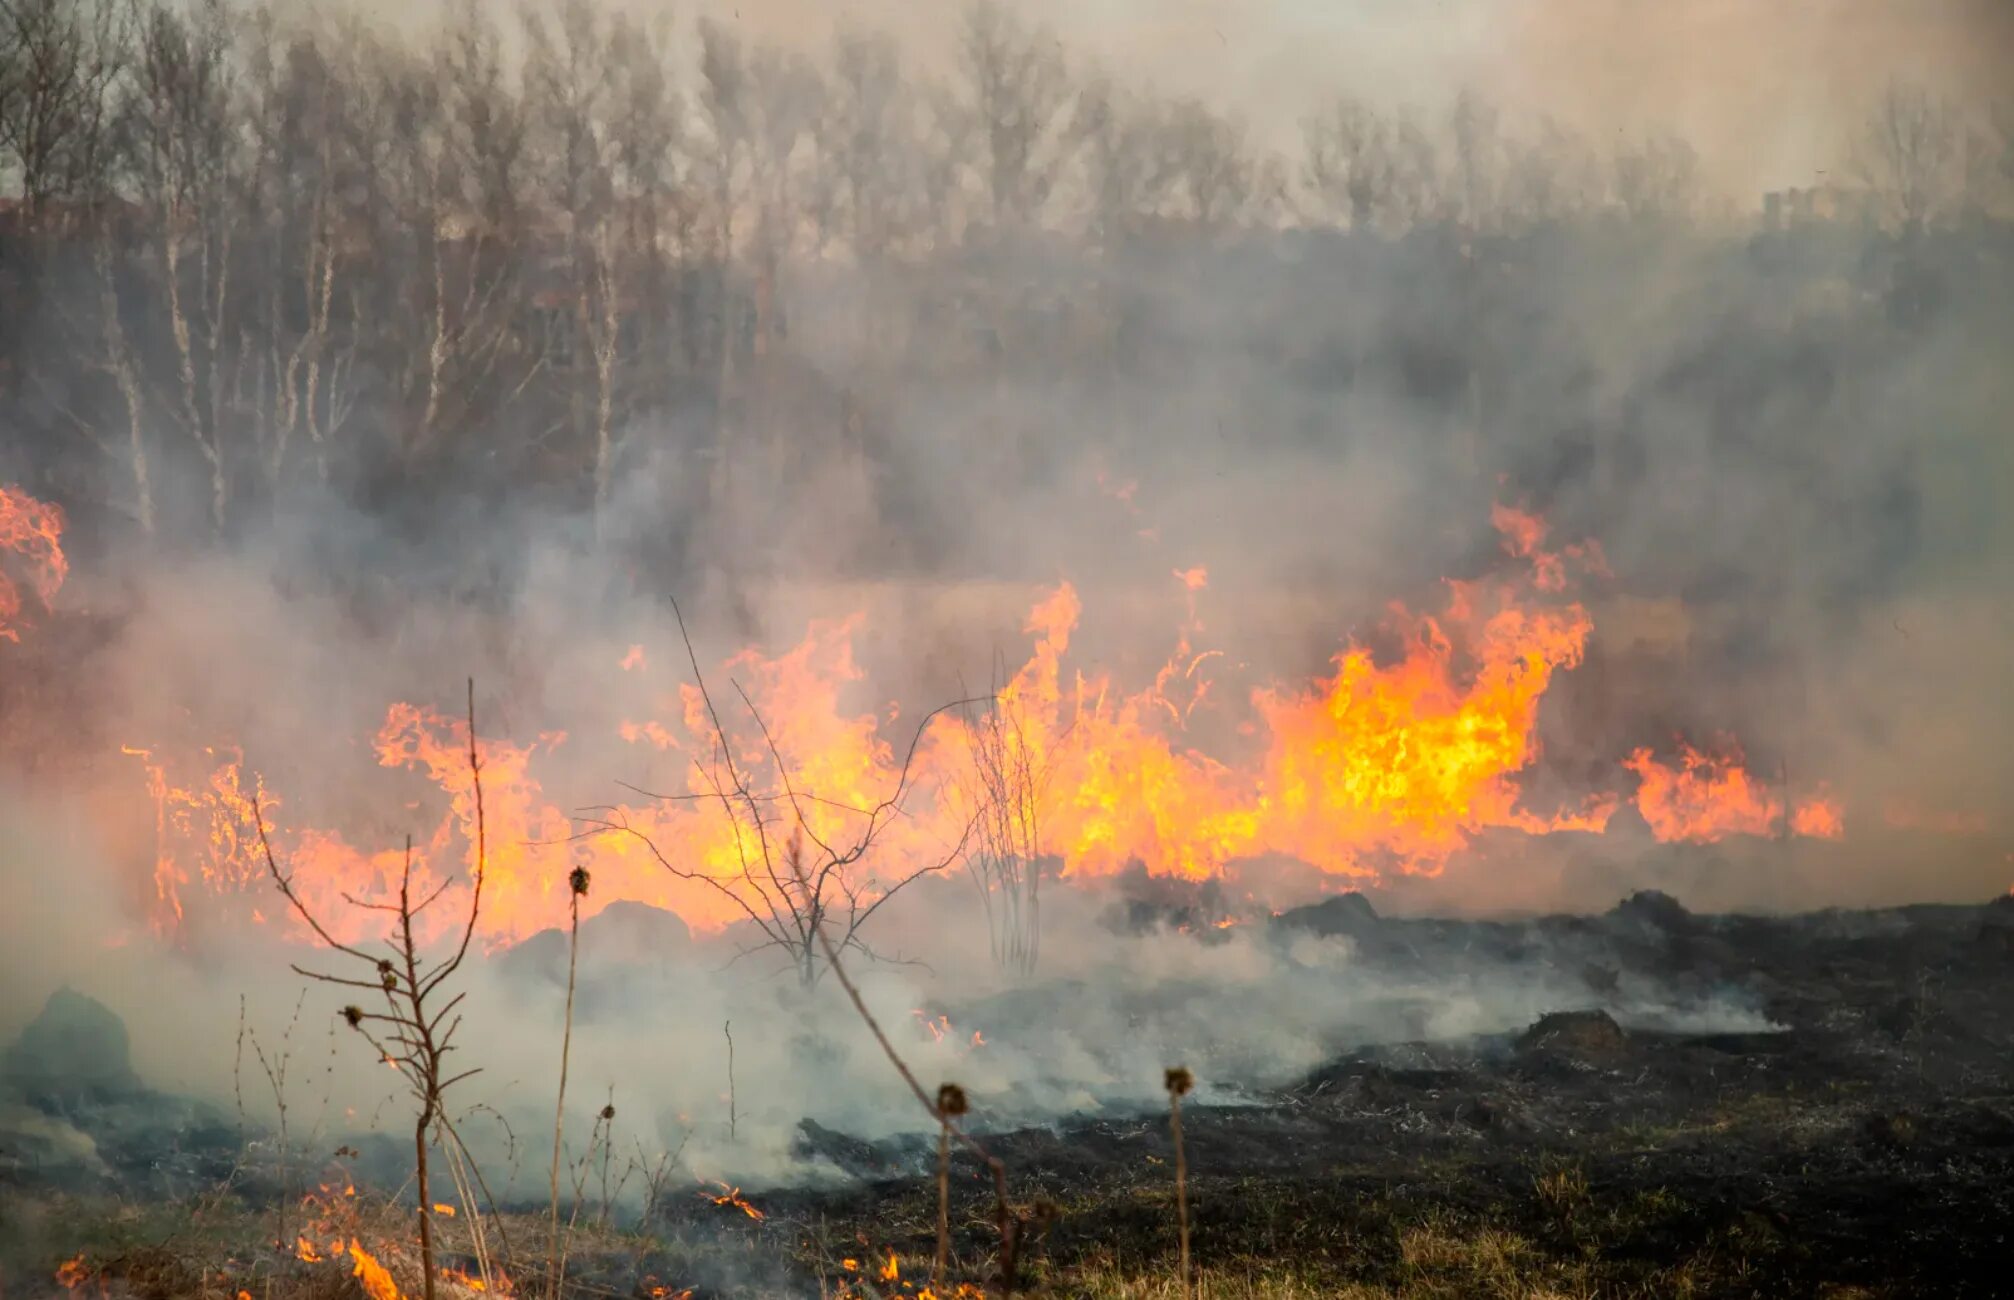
<point>368,357</point>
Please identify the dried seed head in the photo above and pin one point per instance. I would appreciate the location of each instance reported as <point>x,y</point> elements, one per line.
<point>577,880</point>
<point>951,1100</point>
<point>355,1015</point>
<point>391,981</point>
<point>608,1112</point>
<point>1179,1081</point>
<point>384,966</point>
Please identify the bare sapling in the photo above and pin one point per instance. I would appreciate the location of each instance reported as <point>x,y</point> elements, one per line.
<point>415,1031</point>
<point>1008,777</point>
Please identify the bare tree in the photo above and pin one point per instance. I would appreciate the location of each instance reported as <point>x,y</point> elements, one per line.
<point>59,63</point>
<point>1657,179</point>
<point>303,357</point>
<point>652,224</point>
<point>1214,176</point>
<point>1910,154</point>
<point>1552,177</point>
<point>1477,158</point>
<point>1017,96</point>
<point>792,880</point>
<point>570,69</point>
<point>1348,163</point>
<point>871,142</point>
<point>64,66</point>
<point>1126,172</point>
<point>186,160</point>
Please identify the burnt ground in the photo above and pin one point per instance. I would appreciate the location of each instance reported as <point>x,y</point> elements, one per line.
<point>1868,1143</point>
<point>1864,1147</point>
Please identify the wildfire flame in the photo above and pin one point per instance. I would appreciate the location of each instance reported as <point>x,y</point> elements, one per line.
<point>732,1196</point>
<point>73,1273</point>
<point>372,1276</point>
<point>31,548</point>
<point>1818,818</point>
<point>1394,762</point>
<point>1707,797</point>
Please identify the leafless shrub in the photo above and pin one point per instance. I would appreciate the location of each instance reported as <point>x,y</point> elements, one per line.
<point>415,1032</point>
<point>1004,790</point>
<point>790,880</point>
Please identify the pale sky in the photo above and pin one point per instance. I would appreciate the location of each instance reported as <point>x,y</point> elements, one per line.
<point>1769,91</point>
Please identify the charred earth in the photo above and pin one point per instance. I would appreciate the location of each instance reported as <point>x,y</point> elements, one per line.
<point>1858,1141</point>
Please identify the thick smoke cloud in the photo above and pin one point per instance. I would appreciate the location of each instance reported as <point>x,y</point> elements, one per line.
<point>1791,445</point>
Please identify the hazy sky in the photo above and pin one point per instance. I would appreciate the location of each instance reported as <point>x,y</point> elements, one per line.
<point>1770,91</point>
<point>1767,89</point>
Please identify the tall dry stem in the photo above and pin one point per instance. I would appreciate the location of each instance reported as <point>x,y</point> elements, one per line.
<point>1179,1082</point>
<point>577,883</point>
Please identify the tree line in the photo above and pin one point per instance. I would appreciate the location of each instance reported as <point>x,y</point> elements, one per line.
<point>248,253</point>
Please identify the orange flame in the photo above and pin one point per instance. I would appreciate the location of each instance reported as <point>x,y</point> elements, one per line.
<point>372,1276</point>
<point>732,1196</point>
<point>891,1271</point>
<point>73,1273</point>
<point>1818,818</point>
<point>474,1282</point>
<point>1705,798</point>
<point>31,544</point>
<point>1394,762</point>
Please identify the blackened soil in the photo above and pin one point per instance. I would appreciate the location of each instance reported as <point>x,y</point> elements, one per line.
<point>1864,1147</point>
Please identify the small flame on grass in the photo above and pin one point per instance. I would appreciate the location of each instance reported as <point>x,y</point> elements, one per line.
<point>305,1249</point>
<point>73,1273</point>
<point>372,1276</point>
<point>445,1211</point>
<point>891,1271</point>
<point>732,1196</point>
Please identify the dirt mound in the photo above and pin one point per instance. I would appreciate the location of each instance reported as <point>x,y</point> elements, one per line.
<point>77,1047</point>
<point>1578,1035</point>
<point>1653,909</point>
<point>1345,914</point>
